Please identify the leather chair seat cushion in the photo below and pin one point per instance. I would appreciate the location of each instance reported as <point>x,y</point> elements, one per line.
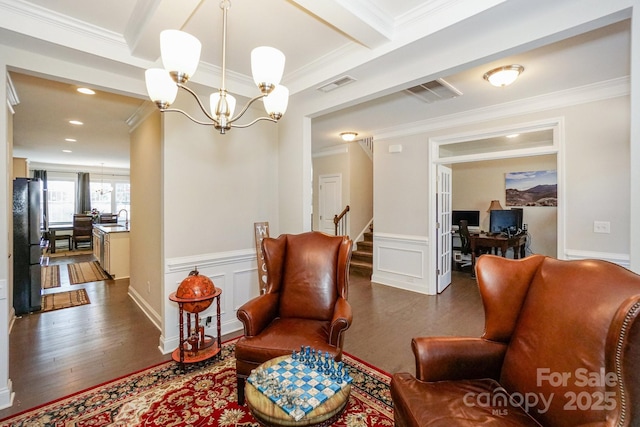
<point>452,403</point>
<point>280,338</point>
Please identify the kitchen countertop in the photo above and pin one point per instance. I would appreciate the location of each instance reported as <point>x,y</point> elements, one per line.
<point>112,228</point>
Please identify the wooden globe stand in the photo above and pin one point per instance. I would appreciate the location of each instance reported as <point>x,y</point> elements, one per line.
<point>195,345</point>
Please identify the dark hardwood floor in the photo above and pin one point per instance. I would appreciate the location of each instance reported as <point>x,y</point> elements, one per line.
<point>61,352</point>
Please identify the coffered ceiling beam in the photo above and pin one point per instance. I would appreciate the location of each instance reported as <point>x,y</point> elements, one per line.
<point>358,19</point>
<point>149,18</point>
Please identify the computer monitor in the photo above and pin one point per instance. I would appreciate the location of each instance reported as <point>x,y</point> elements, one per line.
<point>472,217</point>
<point>504,221</point>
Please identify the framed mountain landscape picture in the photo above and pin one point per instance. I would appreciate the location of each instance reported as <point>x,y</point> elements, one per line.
<point>535,188</point>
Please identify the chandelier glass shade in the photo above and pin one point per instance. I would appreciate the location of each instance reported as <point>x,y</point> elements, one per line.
<point>180,57</point>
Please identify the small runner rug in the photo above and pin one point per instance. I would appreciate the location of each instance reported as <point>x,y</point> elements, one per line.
<point>204,394</point>
<point>83,272</point>
<point>68,299</point>
<point>50,276</point>
<point>62,253</point>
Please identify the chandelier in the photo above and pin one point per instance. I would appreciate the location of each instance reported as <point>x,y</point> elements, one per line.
<point>180,53</point>
<point>102,191</point>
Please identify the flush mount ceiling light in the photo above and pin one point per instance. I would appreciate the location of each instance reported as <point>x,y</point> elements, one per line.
<point>86,91</point>
<point>180,56</point>
<point>76,122</point>
<point>348,136</point>
<point>503,76</point>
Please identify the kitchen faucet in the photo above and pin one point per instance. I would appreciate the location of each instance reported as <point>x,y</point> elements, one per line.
<point>126,217</point>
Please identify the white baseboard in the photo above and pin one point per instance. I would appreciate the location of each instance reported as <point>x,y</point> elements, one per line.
<point>146,308</point>
<point>6,396</point>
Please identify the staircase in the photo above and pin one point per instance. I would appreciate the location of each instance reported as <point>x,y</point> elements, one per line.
<point>362,257</point>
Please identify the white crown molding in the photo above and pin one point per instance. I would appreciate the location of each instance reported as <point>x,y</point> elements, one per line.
<point>52,18</point>
<point>370,13</point>
<point>12,95</point>
<point>331,151</point>
<point>580,95</point>
<point>422,11</point>
<point>142,12</point>
<point>140,115</point>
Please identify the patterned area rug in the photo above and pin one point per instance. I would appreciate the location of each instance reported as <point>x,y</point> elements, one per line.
<point>61,300</point>
<point>62,253</point>
<point>83,272</point>
<point>50,276</point>
<point>203,395</point>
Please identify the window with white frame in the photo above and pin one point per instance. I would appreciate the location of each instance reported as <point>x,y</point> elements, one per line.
<point>109,194</point>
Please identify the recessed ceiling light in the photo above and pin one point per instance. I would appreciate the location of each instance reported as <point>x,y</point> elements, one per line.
<point>67,151</point>
<point>513,135</point>
<point>86,91</point>
<point>70,140</point>
<point>76,122</point>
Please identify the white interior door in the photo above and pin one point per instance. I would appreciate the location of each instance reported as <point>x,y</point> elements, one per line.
<point>443,208</point>
<point>329,201</point>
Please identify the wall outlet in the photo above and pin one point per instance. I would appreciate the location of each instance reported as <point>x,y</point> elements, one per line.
<point>602,227</point>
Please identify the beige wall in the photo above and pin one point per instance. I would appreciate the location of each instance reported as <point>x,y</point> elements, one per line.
<point>336,164</point>
<point>595,156</point>
<point>356,169</point>
<point>20,168</point>
<point>221,184</point>
<point>360,190</point>
<point>475,184</point>
<point>146,278</point>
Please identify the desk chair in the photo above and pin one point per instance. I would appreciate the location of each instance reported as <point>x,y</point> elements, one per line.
<point>465,246</point>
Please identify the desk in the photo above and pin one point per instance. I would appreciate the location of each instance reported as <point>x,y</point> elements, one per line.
<point>498,242</point>
<point>53,229</point>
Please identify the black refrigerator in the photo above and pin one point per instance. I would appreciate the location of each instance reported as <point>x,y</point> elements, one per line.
<point>27,251</point>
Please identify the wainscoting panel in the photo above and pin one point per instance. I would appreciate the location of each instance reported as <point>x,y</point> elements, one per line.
<point>235,273</point>
<point>620,259</point>
<point>401,261</point>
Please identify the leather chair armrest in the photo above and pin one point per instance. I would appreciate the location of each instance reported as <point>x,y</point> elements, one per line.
<point>342,317</point>
<point>452,358</point>
<point>257,313</point>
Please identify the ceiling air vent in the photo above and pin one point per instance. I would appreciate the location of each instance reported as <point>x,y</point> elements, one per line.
<point>336,84</point>
<point>436,90</point>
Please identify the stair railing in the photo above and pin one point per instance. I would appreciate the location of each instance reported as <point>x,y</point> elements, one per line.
<point>340,222</point>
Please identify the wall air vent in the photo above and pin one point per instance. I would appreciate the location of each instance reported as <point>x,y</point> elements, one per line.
<point>339,82</point>
<point>436,90</point>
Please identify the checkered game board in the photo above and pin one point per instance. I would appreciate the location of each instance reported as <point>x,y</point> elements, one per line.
<point>312,387</point>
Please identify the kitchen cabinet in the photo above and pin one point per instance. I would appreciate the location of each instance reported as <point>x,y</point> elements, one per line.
<point>112,249</point>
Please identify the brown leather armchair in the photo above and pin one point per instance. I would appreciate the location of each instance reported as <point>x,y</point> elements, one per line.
<point>561,347</point>
<point>305,302</point>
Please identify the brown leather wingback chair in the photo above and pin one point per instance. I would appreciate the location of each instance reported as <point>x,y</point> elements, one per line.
<point>305,302</point>
<point>561,347</point>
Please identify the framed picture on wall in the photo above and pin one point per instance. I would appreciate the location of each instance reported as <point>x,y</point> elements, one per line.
<point>534,188</point>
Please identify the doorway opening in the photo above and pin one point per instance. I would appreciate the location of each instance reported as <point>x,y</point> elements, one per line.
<point>541,138</point>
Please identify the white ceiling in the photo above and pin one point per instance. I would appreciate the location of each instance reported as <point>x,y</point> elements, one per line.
<point>321,40</point>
